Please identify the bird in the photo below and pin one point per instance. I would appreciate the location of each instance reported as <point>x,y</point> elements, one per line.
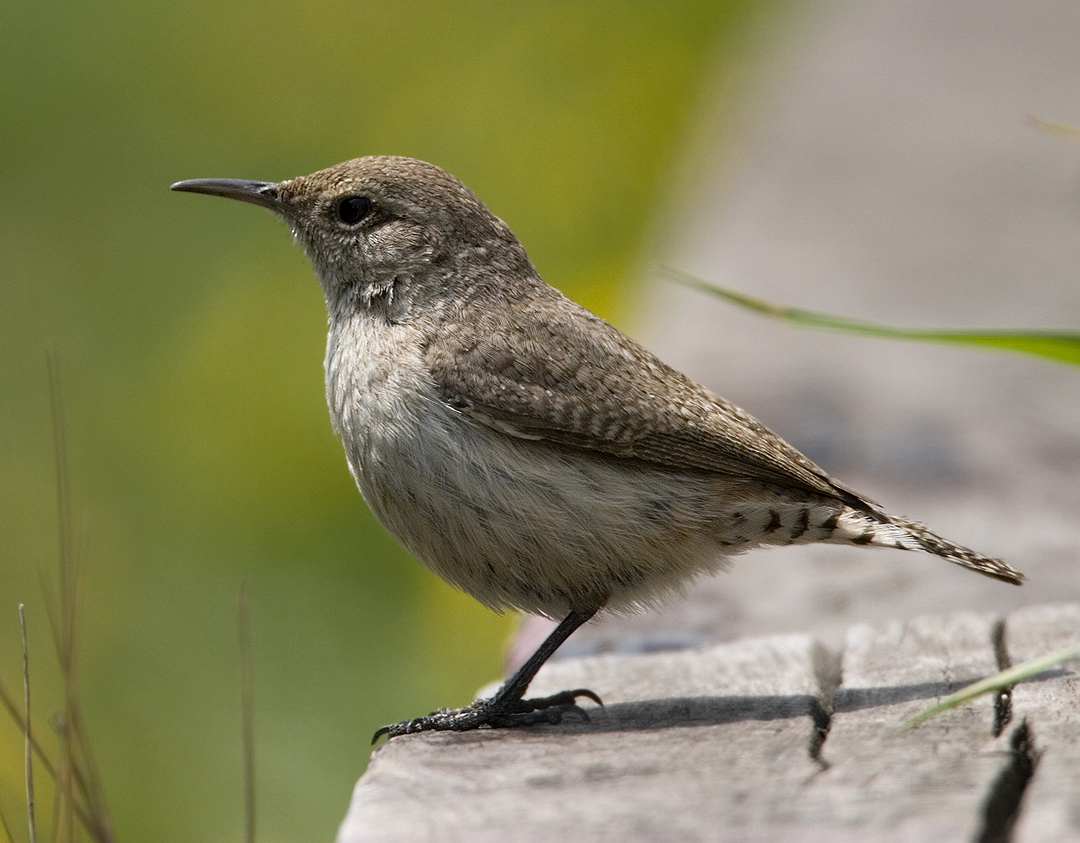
<point>524,449</point>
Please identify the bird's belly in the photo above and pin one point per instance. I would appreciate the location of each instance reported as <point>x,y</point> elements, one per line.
<point>527,525</point>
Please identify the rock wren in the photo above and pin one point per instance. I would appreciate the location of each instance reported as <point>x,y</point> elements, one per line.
<point>527,451</point>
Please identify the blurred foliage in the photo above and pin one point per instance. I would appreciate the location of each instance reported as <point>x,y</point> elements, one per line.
<point>190,337</point>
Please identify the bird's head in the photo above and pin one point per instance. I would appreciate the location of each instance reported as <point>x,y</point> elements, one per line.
<point>381,229</point>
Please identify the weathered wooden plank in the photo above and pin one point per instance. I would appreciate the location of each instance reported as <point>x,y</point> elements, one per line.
<point>929,784</point>
<point>782,665</point>
<point>1050,806</point>
<point>698,745</point>
<point>723,743</point>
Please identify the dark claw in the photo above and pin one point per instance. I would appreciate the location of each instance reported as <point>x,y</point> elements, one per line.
<point>585,692</point>
<point>495,715</point>
<point>563,698</point>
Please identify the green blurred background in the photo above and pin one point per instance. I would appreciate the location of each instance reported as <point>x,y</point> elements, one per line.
<point>190,337</point>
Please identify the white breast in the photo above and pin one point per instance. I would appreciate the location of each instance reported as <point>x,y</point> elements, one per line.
<point>516,523</point>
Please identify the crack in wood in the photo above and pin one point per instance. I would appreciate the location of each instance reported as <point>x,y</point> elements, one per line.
<point>1003,801</point>
<point>1003,699</point>
<point>821,719</point>
<point>828,671</point>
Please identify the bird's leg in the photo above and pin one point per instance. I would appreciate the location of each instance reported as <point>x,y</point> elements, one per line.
<point>508,707</point>
<point>510,696</point>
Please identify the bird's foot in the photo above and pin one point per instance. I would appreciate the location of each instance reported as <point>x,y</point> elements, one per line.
<point>496,714</point>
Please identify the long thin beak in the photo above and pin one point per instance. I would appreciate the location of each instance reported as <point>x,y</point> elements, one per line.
<point>262,193</point>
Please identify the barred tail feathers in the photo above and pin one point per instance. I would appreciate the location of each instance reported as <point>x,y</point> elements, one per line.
<point>878,529</point>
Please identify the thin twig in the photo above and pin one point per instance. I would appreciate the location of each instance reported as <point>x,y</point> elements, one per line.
<point>28,749</point>
<point>78,784</point>
<point>9,703</point>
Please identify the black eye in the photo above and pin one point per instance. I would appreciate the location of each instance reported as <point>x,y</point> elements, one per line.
<point>352,209</point>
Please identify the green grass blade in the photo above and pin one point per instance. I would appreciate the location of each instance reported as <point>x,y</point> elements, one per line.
<point>1063,346</point>
<point>997,682</point>
<point>1053,127</point>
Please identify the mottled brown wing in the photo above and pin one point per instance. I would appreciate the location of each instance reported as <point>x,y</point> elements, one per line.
<point>577,381</point>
